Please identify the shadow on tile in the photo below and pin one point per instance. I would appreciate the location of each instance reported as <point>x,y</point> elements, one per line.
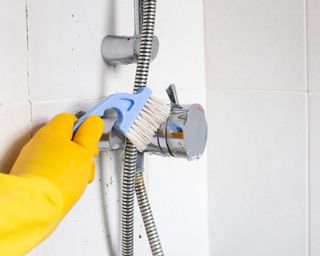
<point>12,153</point>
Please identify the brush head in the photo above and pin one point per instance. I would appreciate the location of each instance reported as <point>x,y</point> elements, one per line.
<point>151,116</point>
<point>139,115</point>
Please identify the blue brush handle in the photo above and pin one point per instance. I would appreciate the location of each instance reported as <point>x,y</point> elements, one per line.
<point>128,107</point>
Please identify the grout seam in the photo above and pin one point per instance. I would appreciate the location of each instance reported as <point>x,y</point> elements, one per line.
<point>95,98</point>
<point>28,67</point>
<point>66,100</point>
<point>308,189</point>
<point>256,91</point>
<point>306,59</point>
<point>29,101</point>
<point>205,37</point>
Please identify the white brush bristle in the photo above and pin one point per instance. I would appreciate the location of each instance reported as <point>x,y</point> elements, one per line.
<point>153,114</point>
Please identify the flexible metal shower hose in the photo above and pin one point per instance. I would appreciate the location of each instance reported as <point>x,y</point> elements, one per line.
<point>129,173</point>
<point>127,209</point>
<point>147,216</point>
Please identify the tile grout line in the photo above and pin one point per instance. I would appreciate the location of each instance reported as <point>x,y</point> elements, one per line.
<point>191,90</point>
<point>307,127</point>
<point>28,67</point>
<point>307,156</point>
<point>204,22</point>
<point>240,91</point>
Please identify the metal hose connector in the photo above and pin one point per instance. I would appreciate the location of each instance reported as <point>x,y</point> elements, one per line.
<point>147,216</point>
<point>147,31</point>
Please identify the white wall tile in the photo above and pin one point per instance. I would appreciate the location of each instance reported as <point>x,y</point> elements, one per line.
<point>13,51</point>
<point>313,44</point>
<point>42,112</point>
<point>257,174</point>
<point>65,38</point>
<point>181,57</point>
<point>15,132</point>
<point>256,45</point>
<point>314,165</point>
<point>179,203</point>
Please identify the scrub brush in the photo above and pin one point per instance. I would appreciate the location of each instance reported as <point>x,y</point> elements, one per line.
<point>139,115</point>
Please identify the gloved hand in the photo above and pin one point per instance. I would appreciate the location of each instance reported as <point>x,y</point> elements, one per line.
<point>47,179</point>
<point>67,163</point>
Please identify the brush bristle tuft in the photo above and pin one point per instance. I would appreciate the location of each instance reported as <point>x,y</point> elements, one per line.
<point>153,114</point>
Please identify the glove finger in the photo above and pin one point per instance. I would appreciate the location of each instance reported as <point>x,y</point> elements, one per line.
<point>62,125</point>
<point>89,134</point>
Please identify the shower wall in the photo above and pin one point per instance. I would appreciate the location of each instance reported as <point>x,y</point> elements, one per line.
<point>51,63</point>
<point>255,63</point>
<point>263,60</point>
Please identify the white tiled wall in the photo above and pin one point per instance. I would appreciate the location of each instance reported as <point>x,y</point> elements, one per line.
<point>64,43</point>
<point>13,52</point>
<point>314,162</point>
<point>313,40</point>
<point>15,132</point>
<point>51,63</point>
<point>263,106</point>
<point>257,45</point>
<point>257,174</point>
<point>13,82</point>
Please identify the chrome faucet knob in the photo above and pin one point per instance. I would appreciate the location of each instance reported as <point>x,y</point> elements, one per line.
<point>184,134</point>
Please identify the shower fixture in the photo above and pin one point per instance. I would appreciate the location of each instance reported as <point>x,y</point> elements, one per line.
<point>117,50</point>
<point>182,135</point>
<point>124,49</point>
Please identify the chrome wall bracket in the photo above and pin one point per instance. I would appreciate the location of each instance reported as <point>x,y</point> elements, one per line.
<point>124,50</point>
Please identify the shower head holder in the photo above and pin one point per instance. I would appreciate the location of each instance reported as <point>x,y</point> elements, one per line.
<point>116,50</point>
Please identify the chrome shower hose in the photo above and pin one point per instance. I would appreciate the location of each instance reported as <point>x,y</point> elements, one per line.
<point>147,216</point>
<point>129,174</point>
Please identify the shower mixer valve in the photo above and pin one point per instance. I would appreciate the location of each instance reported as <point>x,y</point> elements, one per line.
<point>183,134</point>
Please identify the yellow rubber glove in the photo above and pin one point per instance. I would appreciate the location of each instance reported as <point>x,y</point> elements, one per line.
<point>47,179</point>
